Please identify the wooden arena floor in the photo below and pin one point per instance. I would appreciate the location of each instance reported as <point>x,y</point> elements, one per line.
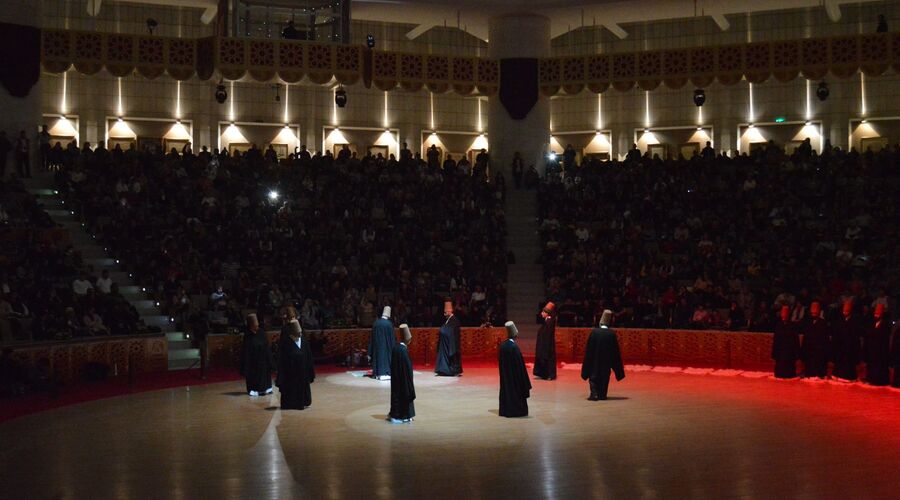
<point>661,435</point>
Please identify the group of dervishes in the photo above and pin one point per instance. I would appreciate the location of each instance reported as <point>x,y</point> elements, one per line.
<point>391,362</point>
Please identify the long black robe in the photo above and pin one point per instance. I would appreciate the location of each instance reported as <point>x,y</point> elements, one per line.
<point>895,358</point>
<point>381,342</point>
<point>403,392</point>
<point>256,362</point>
<point>283,339</point>
<point>515,386</point>
<point>785,349</point>
<point>545,350</point>
<point>814,350</point>
<point>449,358</point>
<point>877,349</point>
<point>601,356</point>
<point>845,339</point>
<point>299,372</point>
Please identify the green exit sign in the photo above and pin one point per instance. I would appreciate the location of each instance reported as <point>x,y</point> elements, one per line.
<point>779,119</point>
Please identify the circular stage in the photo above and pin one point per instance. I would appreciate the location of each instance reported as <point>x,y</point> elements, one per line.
<point>660,435</point>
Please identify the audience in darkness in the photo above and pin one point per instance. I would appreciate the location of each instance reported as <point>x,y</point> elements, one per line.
<point>719,242</point>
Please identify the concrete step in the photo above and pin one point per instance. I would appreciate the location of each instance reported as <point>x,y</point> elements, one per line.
<point>184,354</point>
<point>61,214</point>
<point>160,321</point>
<point>147,311</point>
<point>175,336</point>
<point>144,304</point>
<point>90,252</point>
<point>179,345</point>
<point>52,203</point>
<point>102,263</point>
<point>183,364</point>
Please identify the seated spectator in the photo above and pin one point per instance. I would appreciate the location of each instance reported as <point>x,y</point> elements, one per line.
<point>81,285</point>
<point>104,282</point>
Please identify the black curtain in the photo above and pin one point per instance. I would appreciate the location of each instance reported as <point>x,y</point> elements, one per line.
<point>20,58</point>
<point>518,86</point>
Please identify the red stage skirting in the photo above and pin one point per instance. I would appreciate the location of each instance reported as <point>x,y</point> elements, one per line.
<point>688,348</point>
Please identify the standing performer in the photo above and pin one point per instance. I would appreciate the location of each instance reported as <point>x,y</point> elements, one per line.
<point>515,387</point>
<point>380,344</point>
<point>545,347</point>
<point>403,393</point>
<point>256,359</point>
<point>600,356</point>
<point>288,313</point>
<point>846,344</point>
<point>785,346</point>
<point>449,357</point>
<point>814,350</point>
<point>299,371</point>
<point>878,348</point>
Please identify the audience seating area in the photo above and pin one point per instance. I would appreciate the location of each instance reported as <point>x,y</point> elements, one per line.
<point>718,242</point>
<point>213,235</point>
<point>47,293</point>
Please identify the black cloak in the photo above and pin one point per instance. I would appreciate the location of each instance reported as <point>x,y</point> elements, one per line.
<point>545,350</point>
<point>299,372</point>
<point>257,362</point>
<point>515,386</point>
<point>403,392</point>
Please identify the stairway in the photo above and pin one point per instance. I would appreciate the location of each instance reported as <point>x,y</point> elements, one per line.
<point>181,354</point>
<point>525,281</point>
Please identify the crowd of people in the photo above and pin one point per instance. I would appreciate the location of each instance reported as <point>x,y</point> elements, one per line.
<point>214,234</point>
<point>46,293</point>
<point>721,242</point>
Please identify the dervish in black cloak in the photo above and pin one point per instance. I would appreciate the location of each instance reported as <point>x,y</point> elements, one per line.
<point>403,392</point>
<point>299,371</point>
<point>878,348</point>
<point>785,346</point>
<point>600,356</point>
<point>449,356</point>
<point>257,361</point>
<point>814,349</point>
<point>515,385</point>
<point>380,344</point>
<point>545,347</point>
<point>845,339</point>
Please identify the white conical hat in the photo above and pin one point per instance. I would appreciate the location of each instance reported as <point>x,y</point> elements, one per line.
<point>511,330</point>
<point>407,334</point>
<point>386,312</point>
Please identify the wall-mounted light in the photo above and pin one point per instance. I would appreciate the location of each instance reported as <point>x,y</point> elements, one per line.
<point>864,121</point>
<point>340,96</point>
<point>822,91</point>
<point>699,97</point>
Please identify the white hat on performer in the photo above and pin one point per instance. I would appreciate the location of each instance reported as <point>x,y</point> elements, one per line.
<point>606,318</point>
<point>407,334</point>
<point>293,327</point>
<point>252,319</point>
<point>386,312</point>
<point>511,330</point>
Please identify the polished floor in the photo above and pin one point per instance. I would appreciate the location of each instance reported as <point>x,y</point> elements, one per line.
<point>661,435</point>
